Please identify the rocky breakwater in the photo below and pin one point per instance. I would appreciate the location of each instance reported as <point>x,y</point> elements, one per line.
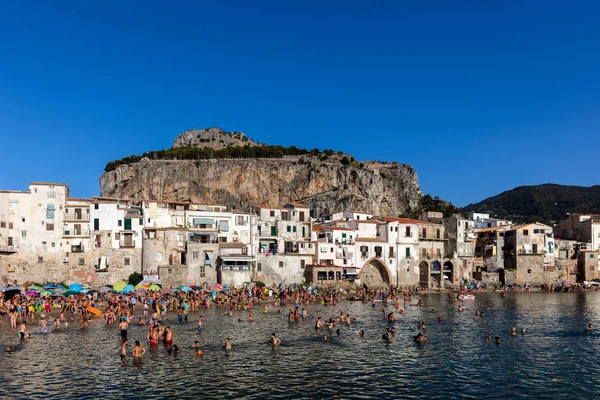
<point>328,187</point>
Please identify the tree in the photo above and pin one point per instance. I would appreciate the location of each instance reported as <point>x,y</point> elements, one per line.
<point>135,278</point>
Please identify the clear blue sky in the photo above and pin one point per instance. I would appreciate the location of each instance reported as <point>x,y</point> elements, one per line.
<point>478,96</point>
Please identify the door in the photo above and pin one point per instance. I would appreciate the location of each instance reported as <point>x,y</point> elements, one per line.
<point>78,213</point>
<point>10,241</point>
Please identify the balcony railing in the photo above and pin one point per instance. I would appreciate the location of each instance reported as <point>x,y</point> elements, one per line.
<point>73,232</point>
<point>77,248</point>
<point>72,216</point>
<point>8,249</point>
<point>127,245</point>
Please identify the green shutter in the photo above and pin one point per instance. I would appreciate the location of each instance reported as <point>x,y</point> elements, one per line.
<point>289,228</point>
<point>273,231</point>
<point>127,224</point>
<point>259,229</point>
<point>303,231</point>
<point>294,228</point>
<point>343,236</point>
<point>96,224</point>
<point>141,221</point>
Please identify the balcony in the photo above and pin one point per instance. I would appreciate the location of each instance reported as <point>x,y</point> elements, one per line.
<point>127,245</point>
<point>75,216</point>
<point>8,249</point>
<point>76,232</point>
<point>77,248</point>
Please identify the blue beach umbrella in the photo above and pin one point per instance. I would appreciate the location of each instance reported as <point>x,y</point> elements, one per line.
<point>76,287</point>
<point>185,288</point>
<point>128,289</point>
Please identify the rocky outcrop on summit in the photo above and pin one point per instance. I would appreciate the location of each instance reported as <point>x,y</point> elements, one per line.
<point>215,138</point>
<point>328,187</point>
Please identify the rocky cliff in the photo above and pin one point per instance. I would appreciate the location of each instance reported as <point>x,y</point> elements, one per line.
<point>214,138</point>
<point>328,187</point>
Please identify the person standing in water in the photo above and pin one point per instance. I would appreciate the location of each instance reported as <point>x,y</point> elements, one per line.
<point>123,325</point>
<point>124,349</point>
<point>227,344</point>
<point>138,350</point>
<point>275,340</point>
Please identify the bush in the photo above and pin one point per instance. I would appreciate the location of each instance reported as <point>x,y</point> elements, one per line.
<point>135,278</point>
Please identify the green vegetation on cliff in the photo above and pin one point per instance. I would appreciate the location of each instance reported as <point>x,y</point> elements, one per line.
<point>204,153</point>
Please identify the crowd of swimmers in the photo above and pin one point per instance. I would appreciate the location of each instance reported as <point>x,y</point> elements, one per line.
<point>120,309</point>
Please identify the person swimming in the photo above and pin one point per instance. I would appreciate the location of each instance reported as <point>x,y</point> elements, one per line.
<point>513,331</point>
<point>275,340</point>
<point>420,338</point>
<point>488,338</point>
<point>361,333</point>
<point>497,338</point>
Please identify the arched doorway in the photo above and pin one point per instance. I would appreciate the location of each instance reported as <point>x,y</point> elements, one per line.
<point>424,275</point>
<point>375,274</point>
<point>436,273</point>
<point>448,273</point>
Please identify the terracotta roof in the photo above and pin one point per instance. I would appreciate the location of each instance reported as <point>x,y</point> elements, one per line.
<point>79,199</point>
<point>317,228</point>
<point>359,239</point>
<point>406,221</point>
<point>360,221</point>
<point>231,245</point>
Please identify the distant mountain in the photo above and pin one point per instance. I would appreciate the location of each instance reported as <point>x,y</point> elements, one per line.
<point>548,203</point>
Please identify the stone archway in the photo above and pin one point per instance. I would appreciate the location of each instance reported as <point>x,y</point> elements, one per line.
<point>436,273</point>
<point>448,272</point>
<point>424,274</point>
<point>375,273</point>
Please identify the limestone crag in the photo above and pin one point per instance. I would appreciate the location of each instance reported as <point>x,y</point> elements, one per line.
<point>328,187</point>
<point>214,138</point>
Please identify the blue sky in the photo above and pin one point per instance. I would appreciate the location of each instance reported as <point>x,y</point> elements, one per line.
<point>479,97</point>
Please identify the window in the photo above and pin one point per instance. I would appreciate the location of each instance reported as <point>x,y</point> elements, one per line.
<point>50,211</point>
<point>301,216</point>
<point>196,255</point>
<point>364,250</point>
<point>407,253</point>
<point>534,248</point>
<point>51,192</point>
<point>272,213</point>
<point>273,231</point>
<point>96,224</point>
<point>423,252</point>
<point>127,224</point>
<point>23,219</point>
<point>280,264</point>
<point>3,224</point>
<point>244,250</point>
<point>378,251</point>
<point>23,234</point>
<point>437,233</point>
<point>259,267</point>
<point>222,239</point>
<point>391,229</point>
<point>591,255</point>
<point>120,223</point>
<point>40,260</point>
<point>294,228</point>
<point>239,220</point>
<point>438,252</point>
<point>81,261</point>
<point>259,230</point>
<point>525,232</point>
<point>303,264</point>
<point>14,205</point>
<point>53,244</point>
<point>96,206</point>
<point>127,261</point>
<point>49,227</point>
<point>391,252</point>
<point>289,228</point>
<point>141,221</point>
<point>10,225</point>
<point>303,231</point>
<point>202,272</point>
<point>424,232</point>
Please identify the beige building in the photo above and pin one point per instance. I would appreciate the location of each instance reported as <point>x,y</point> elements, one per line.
<point>582,228</point>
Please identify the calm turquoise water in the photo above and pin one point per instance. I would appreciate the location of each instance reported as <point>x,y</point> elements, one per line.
<point>553,360</point>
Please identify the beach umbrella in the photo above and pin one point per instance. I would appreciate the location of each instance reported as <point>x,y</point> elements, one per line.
<point>119,286</point>
<point>154,288</point>
<point>104,289</point>
<point>84,291</point>
<point>48,285</point>
<point>127,289</point>
<point>76,287</point>
<point>32,293</point>
<point>69,293</point>
<point>185,288</point>
<point>140,287</point>
<point>36,288</point>
<point>46,293</point>
<point>92,291</point>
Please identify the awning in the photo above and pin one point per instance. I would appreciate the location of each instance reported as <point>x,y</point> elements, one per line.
<point>204,221</point>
